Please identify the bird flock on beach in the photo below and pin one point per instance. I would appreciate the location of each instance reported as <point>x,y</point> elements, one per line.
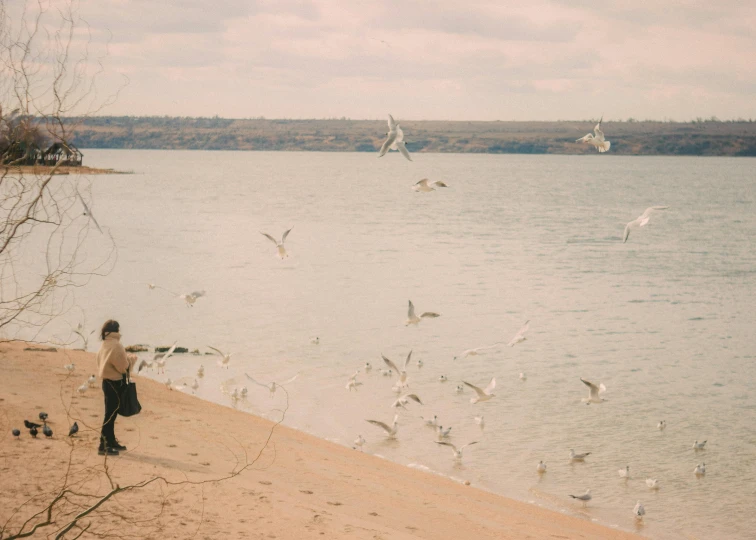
<point>399,372</point>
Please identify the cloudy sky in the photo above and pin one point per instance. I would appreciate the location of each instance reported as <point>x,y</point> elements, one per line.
<point>472,60</point>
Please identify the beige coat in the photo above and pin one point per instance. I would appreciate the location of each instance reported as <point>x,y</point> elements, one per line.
<point>112,359</point>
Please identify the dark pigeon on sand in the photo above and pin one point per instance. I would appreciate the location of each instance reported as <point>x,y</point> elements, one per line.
<point>47,431</point>
<point>74,430</point>
<point>43,416</point>
<point>30,425</point>
<point>16,433</point>
<point>33,432</point>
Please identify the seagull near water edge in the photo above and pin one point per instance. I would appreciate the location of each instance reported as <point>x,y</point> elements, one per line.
<point>456,452</point>
<point>225,357</point>
<point>273,386</point>
<point>390,431</point>
<point>585,497</point>
<point>401,372</point>
<point>394,140</point>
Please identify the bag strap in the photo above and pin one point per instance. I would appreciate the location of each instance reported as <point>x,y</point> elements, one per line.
<point>127,377</point>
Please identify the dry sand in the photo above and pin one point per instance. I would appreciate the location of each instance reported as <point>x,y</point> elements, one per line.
<point>300,487</point>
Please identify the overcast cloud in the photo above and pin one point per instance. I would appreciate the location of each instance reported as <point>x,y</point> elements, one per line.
<point>474,60</point>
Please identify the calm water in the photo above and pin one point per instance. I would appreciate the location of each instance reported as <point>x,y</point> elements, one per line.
<point>665,321</point>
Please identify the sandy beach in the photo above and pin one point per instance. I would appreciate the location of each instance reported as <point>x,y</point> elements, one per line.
<point>222,473</point>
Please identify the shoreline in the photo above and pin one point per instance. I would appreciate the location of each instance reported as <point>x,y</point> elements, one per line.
<point>299,487</point>
<point>43,170</point>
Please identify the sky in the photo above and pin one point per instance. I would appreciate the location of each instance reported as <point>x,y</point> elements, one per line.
<point>440,60</point>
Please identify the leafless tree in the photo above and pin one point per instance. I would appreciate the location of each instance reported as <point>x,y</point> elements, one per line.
<point>49,242</point>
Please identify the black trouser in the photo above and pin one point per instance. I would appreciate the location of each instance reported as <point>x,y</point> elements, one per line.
<point>112,391</point>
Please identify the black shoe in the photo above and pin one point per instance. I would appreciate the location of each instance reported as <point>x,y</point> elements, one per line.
<point>109,451</point>
<point>118,446</point>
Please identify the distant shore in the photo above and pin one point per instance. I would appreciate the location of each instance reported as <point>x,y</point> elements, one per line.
<point>300,487</point>
<point>631,137</point>
<point>43,170</point>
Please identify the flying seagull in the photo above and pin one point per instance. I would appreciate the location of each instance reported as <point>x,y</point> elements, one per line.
<point>280,245</point>
<point>641,220</point>
<point>519,337</point>
<point>593,392</point>
<point>85,338</point>
<point>426,186</point>
<point>88,212</point>
<point>352,383</point>
<point>414,319</point>
<point>402,401</point>
<point>478,351</point>
<point>483,395</point>
<point>394,139</point>
<point>585,497</point>
<point>597,138</point>
<point>456,452</point>
<point>191,298</point>
<point>390,431</point>
<point>402,372</point>
<point>273,386</point>
<point>225,357</point>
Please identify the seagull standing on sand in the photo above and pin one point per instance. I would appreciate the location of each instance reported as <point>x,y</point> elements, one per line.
<point>191,298</point>
<point>640,221</point>
<point>83,388</point>
<point>225,357</point>
<point>70,367</point>
<point>593,392</point>
<point>390,431</point>
<point>414,319</point>
<point>639,511</point>
<point>426,186</point>
<point>519,336</point>
<point>91,381</point>
<point>456,452</point>
<point>394,139</point>
<point>402,372</point>
<point>578,457</point>
<point>483,395</point>
<point>88,212</point>
<point>279,245</point>
<point>597,138</point>
<point>585,497</point>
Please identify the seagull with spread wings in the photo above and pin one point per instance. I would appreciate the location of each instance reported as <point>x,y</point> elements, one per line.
<point>158,360</point>
<point>390,431</point>
<point>520,336</point>
<point>401,372</point>
<point>483,395</point>
<point>279,245</point>
<point>273,386</point>
<point>597,138</point>
<point>394,139</point>
<point>191,298</point>
<point>225,357</point>
<point>456,452</point>
<point>594,392</point>
<point>412,318</point>
<point>426,186</point>
<point>88,212</point>
<point>403,400</point>
<point>640,221</point>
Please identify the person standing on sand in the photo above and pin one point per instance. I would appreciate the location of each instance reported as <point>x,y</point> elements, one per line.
<point>112,363</point>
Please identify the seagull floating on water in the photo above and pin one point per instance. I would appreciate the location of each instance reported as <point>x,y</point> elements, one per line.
<point>480,421</point>
<point>661,425</point>
<point>459,389</point>
<point>652,483</point>
<point>426,186</point>
<point>368,367</point>
<point>700,470</point>
<point>699,445</point>
<point>578,457</point>
<point>523,377</point>
<point>456,452</point>
<point>443,433</point>
<point>431,422</point>
<point>442,378</point>
<point>585,497</point>
<point>520,336</point>
<point>593,392</point>
<point>394,140</point>
<point>279,245</point>
<point>541,467</point>
<point>640,221</point>
<point>624,473</point>
<point>639,511</point>
<point>597,138</point>
<point>201,371</point>
<point>483,395</point>
<point>390,431</point>
<point>315,340</point>
<point>414,319</point>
